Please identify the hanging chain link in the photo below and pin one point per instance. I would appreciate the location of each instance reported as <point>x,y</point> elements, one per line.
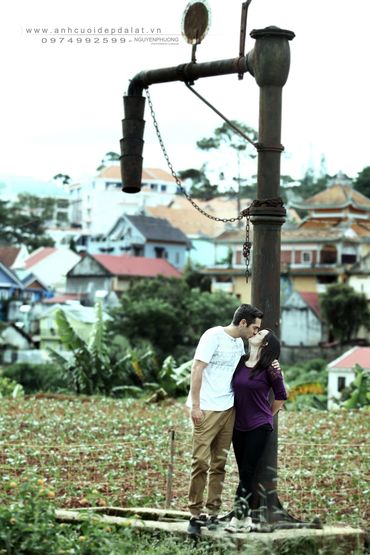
<point>244,214</point>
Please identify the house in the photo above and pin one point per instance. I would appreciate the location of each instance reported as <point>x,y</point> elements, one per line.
<point>50,265</point>
<point>11,288</point>
<point>81,318</point>
<point>301,322</point>
<point>358,276</point>
<point>143,236</point>
<point>97,202</point>
<point>229,280</point>
<point>334,236</point>
<point>341,372</point>
<point>107,273</point>
<point>200,229</point>
<point>14,339</point>
<point>13,257</point>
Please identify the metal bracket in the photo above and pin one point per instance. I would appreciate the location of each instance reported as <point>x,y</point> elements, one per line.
<point>243,31</point>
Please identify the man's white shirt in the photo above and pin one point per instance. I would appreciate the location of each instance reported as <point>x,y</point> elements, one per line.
<point>222,353</point>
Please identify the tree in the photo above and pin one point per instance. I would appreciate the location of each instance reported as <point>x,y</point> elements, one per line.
<point>21,223</point>
<point>62,178</point>
<point>170,315</point>
<point>345,311</point>
<point>109,157</point>
<point>201,187</point>
<point>227,136</point>
<point>195,279</point>
<point>154,310</point>
<point>362,182</point>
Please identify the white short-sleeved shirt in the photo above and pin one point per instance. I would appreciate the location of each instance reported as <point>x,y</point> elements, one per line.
<point>222,353</point>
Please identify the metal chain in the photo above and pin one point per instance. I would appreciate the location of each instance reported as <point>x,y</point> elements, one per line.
<point>244,214</point>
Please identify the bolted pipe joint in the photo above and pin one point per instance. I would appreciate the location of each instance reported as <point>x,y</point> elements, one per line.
<point>270,58</point>
<point>132,143</point>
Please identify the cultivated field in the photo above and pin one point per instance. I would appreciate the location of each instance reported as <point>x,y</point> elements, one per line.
<point>106,452</point>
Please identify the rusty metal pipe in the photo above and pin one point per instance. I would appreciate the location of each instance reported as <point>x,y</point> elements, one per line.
<point>187,73</point>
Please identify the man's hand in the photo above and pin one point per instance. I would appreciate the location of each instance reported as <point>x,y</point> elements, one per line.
<point>197,415</point>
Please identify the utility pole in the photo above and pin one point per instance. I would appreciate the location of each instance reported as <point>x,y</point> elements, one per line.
<point>268,62</point>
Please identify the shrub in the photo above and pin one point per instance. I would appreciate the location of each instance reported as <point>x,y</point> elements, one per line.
<point>10,388</point>
<point>36,377</point>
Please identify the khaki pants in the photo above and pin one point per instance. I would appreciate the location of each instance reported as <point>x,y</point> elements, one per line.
<point>211,444</point>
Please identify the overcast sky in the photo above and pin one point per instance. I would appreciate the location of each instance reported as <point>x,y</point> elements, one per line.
<point>61,103</point>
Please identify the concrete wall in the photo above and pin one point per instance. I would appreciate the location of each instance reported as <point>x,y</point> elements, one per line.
<point>292,355</point>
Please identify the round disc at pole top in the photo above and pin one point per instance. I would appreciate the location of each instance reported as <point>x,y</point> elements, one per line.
<point>196,21</point>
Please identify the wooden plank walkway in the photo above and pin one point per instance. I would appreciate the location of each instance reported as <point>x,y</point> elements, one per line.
<point>347,539</point>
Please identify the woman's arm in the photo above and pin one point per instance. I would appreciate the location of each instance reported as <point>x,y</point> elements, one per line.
<point>276,406</point>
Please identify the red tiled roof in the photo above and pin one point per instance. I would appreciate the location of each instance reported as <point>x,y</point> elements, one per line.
<point>313,301</point>
<point>337,195</point>
<point>61,299</point>
<point>39,255</point>
<point>114,172</point>
<point>8,255</point>
<point>136,266</point>
<point>357,355</point>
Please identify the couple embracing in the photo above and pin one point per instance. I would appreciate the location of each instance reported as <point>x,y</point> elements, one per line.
<point>228,400</point>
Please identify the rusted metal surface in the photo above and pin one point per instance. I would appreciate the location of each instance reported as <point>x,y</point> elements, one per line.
<point>271,61</point>
<point>186,72</point>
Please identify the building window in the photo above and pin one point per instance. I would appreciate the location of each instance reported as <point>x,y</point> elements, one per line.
<point>137,251</point>
<point>341,383</point>
<point>328,255</point>
<point>153,187</point>
<point>159,252</point>
<point>306,257</point>
<point>163,188</point>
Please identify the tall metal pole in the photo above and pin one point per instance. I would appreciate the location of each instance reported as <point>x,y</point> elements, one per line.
<point>270,61</point>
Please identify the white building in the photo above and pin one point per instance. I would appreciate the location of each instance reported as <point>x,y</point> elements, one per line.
<point>98,202</point>
<point>341,372</point>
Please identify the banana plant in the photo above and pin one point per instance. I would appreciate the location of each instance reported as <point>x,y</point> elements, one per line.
<point>85,364</point>
<point>359,390</point>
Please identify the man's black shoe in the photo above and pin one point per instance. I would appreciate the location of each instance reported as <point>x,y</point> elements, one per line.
<point>212,523</point>
<point>194,525</point>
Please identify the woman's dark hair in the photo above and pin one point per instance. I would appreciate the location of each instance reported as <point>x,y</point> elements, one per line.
<point>268,351</point>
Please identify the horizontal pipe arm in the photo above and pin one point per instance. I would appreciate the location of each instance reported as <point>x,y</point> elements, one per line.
<point>187,73</point>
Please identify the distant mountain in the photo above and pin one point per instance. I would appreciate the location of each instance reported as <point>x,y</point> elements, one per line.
<point>12,185</point>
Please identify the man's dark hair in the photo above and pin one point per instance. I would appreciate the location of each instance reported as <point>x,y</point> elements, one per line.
<point>246,312</point>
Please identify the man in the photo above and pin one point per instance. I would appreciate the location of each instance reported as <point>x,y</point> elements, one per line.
<point>211,401</point>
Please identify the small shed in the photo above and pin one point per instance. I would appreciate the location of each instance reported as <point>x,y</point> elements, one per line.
<point>301,322</point>
<point>341,372</point>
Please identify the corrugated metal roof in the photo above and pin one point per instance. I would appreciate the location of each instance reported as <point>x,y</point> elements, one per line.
<point>158,229</point>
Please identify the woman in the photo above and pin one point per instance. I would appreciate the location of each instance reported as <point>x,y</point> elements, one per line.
<point>252,380</point>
